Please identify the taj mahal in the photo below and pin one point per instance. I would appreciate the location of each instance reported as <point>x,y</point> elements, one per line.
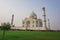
<point>33,23</point>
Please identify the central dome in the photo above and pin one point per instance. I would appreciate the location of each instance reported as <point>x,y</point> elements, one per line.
<point>33,15</point>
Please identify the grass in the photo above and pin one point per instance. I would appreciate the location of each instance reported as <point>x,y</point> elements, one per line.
<point>30,35</point>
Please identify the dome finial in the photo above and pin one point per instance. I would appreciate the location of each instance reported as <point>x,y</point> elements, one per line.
<point>32,11</point>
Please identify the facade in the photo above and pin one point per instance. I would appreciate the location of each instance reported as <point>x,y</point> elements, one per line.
<point>33,23</point>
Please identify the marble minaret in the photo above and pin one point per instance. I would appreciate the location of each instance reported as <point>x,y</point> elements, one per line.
<point>44,19</point>
<point>12,19</point>
<point>48,24</point>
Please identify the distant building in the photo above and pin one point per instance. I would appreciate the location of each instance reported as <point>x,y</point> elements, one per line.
<point>33,23</point>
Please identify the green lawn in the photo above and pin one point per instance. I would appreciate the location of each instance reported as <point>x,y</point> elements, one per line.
<point>30,35</point>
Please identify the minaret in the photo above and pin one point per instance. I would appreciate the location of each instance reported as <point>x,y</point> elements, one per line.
<point>44,19</point>
<point>48,24</point>
<point>12,19</point>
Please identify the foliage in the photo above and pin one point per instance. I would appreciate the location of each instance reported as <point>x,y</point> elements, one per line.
<point>5,26</point>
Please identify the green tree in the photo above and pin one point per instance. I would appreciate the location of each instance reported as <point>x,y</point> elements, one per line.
<point>5,26</point>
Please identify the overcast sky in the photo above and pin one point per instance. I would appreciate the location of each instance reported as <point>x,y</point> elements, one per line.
<point>22,8</point>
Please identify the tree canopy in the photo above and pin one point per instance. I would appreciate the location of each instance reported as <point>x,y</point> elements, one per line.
<point>5,26</point>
